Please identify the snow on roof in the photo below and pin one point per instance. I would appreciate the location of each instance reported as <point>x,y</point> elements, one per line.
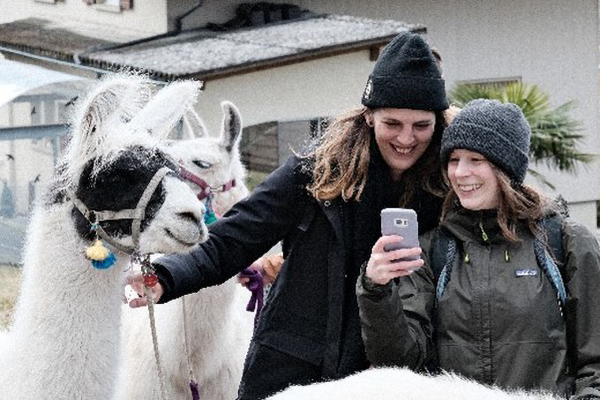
<point>203,53</point>
<point>47,38</point>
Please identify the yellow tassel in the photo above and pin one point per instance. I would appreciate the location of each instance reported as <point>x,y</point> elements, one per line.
<point>97,251</point>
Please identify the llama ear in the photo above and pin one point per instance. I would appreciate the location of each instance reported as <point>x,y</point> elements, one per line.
<point>98,115</point>
<point>193,126</point>
<point>166,108</point>
<point>232,126</point>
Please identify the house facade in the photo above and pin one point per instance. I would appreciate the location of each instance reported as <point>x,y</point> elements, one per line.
<point>529,40</point>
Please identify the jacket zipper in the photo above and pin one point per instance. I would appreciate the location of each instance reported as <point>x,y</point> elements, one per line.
<point>484,235</point>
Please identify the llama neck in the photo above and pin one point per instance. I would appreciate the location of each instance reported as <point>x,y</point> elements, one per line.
<point>68,312</point>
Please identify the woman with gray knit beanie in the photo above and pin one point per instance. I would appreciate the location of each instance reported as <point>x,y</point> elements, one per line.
<point>325,206</point>
<point>506,295</point>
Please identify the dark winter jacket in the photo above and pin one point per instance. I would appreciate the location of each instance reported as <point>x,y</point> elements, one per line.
<point>311,300</point>
<point>492,323</point>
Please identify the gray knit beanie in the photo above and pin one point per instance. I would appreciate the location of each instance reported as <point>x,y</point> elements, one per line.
<point>499,131</point>
<point>406,76</point>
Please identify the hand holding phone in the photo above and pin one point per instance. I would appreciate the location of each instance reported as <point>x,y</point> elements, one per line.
<point>387,262</point>
<point>402,222</point>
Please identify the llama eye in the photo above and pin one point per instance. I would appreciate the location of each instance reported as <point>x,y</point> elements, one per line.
<point>202,164</point>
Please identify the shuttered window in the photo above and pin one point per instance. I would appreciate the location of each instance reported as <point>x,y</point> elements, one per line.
<point>121,4</point>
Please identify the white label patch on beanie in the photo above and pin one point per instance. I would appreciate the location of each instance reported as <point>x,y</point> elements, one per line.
<point>368,90</point>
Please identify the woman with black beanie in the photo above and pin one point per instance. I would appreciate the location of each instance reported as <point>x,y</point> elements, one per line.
<point>324,205</point>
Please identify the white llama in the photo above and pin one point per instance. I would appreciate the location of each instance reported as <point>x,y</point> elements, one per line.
<point>215,325</point>
<point>402,383</point>
<point>64,340</point>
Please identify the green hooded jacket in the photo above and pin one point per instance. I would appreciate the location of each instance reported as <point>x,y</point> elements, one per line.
<point>498,321</point>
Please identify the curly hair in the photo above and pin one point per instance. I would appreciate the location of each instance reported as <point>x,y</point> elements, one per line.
<point>341,161</point>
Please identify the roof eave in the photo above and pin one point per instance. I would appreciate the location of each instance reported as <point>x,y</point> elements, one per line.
<point>373,45</point>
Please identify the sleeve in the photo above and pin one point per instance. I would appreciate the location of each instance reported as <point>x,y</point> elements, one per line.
<point>582,279</point>
<point>252,227</point>
<point>396,319</point>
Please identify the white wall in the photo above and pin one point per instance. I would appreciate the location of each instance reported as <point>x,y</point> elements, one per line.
<point>321,87</point>
<point>148,17</point>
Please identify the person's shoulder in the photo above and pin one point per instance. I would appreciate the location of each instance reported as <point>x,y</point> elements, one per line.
<point>576,229</point>
<point>577,238</point>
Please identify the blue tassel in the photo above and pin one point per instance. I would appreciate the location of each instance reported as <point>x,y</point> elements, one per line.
<point>106,263</point>
<point>209,215</point>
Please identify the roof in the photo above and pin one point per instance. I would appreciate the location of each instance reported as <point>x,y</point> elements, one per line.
<point>208,54</point>
<point>47,38</point>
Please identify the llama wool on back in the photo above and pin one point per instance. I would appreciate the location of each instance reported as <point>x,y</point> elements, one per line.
<point>402,383</point>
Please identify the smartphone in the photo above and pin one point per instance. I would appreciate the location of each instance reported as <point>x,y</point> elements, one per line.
<point>403,222</point>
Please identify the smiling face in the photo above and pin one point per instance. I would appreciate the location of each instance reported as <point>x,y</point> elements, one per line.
<point>402,136</point>
<point>473,179</point>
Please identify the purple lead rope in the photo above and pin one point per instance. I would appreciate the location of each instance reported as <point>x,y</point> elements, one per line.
<point>255,285</point>
<point>194,390</point>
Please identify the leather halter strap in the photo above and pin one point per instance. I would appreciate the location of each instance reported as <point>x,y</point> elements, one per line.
<point>135,214</point>
<point>206,189</point>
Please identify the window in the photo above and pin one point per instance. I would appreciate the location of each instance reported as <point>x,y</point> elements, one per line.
<point>112,5</point>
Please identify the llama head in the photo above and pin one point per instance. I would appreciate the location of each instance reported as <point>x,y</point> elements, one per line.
<point>214,159</point>
<point>112,160</point>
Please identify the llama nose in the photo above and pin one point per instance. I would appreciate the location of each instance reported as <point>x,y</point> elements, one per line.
<point>191,217</point>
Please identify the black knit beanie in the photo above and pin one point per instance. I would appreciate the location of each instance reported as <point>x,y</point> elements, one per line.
<point>499,131</point>
<point>406,75</point>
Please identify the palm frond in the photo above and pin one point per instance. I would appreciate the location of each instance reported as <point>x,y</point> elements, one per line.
<point>541,178</point>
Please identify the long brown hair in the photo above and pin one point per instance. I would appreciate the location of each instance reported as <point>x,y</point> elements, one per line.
<point>515,202</point>
<point>341,161</point>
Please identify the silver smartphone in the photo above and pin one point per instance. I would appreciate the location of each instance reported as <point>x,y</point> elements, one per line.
<point>403,222</point>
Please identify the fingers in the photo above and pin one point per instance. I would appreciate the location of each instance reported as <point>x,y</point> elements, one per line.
<point>272,265</point>
<point>243,281</point>
<point>382,242</point>
<point>137,284</point>
<point>384,266</point>
<point>141,302</point>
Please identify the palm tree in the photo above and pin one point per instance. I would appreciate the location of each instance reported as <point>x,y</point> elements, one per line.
<point>554,133</point>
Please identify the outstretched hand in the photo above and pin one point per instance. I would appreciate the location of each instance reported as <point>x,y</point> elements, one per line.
<point>137,283</point>
<point>383,266</point>
<point>269,267</point>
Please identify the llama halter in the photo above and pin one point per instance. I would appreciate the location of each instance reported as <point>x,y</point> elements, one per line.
<point>207,190</point>
<point>136,215</point>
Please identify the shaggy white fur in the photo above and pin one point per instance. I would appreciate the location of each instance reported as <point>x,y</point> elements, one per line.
<point>64,340</point>
<point>401,383</point>
<point>218,326</point>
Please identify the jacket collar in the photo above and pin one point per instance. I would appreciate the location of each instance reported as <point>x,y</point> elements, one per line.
<point>474,226</point>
